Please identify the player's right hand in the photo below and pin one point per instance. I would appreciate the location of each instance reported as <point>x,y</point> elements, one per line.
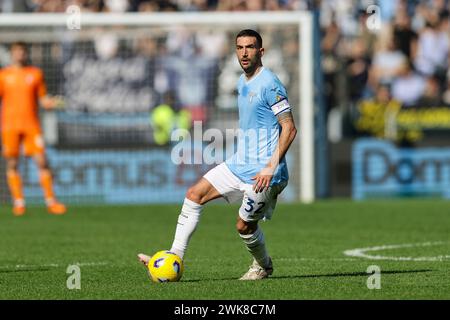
<point>262,180</point>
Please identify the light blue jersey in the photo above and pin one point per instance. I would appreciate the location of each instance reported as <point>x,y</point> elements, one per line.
<point>260,100</point>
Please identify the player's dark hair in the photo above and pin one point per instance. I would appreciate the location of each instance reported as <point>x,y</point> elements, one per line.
<point>19,44</point>
<point>250,33</point>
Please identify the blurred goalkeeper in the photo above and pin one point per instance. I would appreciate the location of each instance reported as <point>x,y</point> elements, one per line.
<point>22,88</point>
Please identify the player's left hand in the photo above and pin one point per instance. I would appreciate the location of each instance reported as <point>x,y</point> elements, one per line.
<point>262,180</point>
<point>52,102</point>
<point>58,102</point>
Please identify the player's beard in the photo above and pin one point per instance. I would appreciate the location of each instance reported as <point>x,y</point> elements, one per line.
<point>251,66</point>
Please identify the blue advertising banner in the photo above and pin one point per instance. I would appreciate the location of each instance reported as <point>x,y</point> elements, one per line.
<point>117,177</point>
<point>113,177</point>
<point>380,169</point>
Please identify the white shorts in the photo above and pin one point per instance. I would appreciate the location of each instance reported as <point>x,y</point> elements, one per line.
<point>255,206</point>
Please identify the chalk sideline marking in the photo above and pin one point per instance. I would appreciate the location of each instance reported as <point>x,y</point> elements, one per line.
<point>362,252</point>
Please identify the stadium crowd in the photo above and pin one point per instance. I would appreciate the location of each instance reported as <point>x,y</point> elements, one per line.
<point>408,54</point>
<point>150,5</point>
<point>377,70</point>
<point>410,49</point>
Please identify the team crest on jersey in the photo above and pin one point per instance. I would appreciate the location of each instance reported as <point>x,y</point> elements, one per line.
<point>30,79</point>
<point>278,98</point>
<point>251,95</point>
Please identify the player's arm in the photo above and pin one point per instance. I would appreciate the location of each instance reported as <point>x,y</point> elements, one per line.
<point>46,101</point>
<point>1,85</point>
<point>287,135</point>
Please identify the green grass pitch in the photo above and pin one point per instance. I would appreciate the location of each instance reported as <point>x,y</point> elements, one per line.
<point>306,242</point>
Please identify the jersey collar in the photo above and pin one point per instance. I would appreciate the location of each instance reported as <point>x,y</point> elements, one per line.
<point>254,76</point>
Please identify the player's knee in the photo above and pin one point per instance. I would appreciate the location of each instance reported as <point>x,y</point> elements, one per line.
<point>41,162</point>
<point>12,164</point>
<point>244,227</point>
<point>194,194</point>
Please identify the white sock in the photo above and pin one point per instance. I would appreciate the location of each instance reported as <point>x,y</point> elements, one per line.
<point>187,223</point>
<point>256,245</point>
<point>19,202</point>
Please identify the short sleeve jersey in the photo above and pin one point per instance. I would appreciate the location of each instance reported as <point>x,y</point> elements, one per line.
<point>260,100</point>
<point>20,89</point>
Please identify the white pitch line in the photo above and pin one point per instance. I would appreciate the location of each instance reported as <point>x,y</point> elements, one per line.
<point>315,259</point>
<point>362,252</point>
<point>284,259</point>
<point>52,265</point>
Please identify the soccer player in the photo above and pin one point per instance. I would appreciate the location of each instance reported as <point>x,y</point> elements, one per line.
<point>22,87</point>
<point>257,172</point>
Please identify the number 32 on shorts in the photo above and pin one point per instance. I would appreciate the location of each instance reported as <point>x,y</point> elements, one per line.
<point>250,206</point>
